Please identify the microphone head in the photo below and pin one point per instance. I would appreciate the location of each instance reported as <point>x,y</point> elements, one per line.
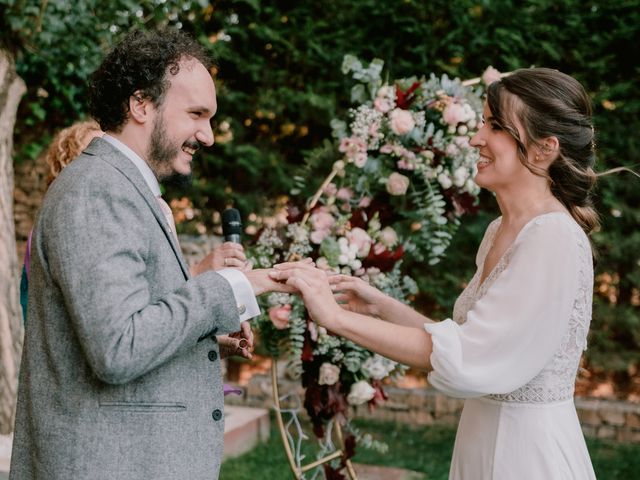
<point>231,225</point>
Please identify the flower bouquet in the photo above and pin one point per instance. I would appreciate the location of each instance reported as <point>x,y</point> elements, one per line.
<point>401,177</point>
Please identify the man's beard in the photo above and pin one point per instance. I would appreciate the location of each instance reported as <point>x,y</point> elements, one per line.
<point>162,154</point>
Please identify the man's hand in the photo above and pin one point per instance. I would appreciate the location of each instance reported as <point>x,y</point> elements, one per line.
<point>238,343</point>
<point>263,282</point>
<point>227,255</point>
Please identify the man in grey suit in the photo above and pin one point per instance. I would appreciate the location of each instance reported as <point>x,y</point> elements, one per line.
<point>120,375</point>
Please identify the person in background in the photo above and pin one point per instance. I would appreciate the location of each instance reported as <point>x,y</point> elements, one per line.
<point>120,374</point>
<point>520,326</point>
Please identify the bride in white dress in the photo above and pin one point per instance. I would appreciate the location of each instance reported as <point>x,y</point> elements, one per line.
<point>519,327</point>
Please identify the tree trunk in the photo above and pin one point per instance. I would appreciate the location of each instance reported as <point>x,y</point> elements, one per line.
<point>11,90</point>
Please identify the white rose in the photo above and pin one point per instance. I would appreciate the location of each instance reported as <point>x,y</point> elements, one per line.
<point>460,176</point>
<point>377,367</point>
<point>387,91</point>
<point>445,180</point>
<point>397,184</point>
<point>329,374</point>
<point>361,240</point>
<point>402,121</point>
<point>361,392</point>
<point>388,237</point>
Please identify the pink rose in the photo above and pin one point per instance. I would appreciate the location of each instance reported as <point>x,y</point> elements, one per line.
<point>364,202</point>
<point>373,130</point>
<point>317,236</point>
<point>386,148</point>
<point>404,165</point>
<point>361,240</point>
<point>313,331</point>
<point>397,184</point>
<point>345,194</point>
<point>360,159</point>
<point>321,219</point>
<point>401,121</point>
<point>351,146</point>
<point>330,190</point>
<point>279,316</point>
<point>382,104</point>
<point>490,75</point>
<point>454,114</point>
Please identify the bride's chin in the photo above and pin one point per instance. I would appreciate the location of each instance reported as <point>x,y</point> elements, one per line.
<point>479,181</point>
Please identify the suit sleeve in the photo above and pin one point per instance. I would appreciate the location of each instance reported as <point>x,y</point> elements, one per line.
<point>98,248</point>
<point>514,330</point>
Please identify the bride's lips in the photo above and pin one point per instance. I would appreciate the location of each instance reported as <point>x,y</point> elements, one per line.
<point>484,162</point>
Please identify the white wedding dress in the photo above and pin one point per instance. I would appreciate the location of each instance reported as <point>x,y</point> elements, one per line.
<point>513,351</point>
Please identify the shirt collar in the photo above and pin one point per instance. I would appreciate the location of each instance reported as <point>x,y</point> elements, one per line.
<point>146,172</point>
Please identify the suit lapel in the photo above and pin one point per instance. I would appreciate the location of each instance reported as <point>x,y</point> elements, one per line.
<point>107,152</point>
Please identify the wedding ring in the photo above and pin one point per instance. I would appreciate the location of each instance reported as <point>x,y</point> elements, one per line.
<point>243,343</point>
<point>226,262</point>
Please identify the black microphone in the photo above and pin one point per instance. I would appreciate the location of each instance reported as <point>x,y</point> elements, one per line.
<point>231,225</point>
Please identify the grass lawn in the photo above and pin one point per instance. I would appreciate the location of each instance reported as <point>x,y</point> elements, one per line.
<point>425,449</point>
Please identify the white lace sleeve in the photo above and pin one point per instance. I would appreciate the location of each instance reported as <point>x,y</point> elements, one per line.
<point>514,329</point>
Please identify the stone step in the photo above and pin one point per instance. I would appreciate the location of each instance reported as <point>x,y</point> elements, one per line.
<point>244,429</point>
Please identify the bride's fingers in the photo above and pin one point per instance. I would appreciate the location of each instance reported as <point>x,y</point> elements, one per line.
<point>339,278</point>
<point>342,299</point>
<point>305,262</point>
<point>302,270</point>
<point>300,284</point>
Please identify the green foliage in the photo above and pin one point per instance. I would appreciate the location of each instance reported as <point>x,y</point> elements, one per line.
<point>280,85</point>
<point>422,449</point>
<point>59,44</point>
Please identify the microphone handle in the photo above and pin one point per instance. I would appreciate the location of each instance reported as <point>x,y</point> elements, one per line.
<point>233,238</point>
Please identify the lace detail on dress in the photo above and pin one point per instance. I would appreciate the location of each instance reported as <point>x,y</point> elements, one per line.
<point>556,381</point>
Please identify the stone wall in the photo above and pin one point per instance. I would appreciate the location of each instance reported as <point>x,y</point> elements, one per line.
<point>30,183</point>
<point>600,418</point>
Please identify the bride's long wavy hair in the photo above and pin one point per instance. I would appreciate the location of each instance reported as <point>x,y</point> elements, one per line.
<point>548,103</point>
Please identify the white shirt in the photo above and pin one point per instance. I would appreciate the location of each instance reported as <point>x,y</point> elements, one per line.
<point>242,289</point>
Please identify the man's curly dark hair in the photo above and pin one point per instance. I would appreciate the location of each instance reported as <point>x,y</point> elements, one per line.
<point>139,62</point>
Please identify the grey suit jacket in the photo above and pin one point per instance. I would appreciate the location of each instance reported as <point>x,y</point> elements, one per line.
<point>120,376</point>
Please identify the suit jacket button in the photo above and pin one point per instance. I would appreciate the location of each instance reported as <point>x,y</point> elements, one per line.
<point>216,415</point>
<point>213,355</point>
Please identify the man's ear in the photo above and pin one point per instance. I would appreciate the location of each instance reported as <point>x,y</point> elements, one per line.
<point>139,107</point>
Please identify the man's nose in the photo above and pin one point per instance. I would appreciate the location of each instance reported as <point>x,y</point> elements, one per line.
<point>205,135</point>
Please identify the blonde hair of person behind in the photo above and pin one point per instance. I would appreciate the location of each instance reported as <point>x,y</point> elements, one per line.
<point>67,145</point>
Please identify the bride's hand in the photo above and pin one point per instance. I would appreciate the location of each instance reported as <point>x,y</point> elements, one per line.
<point>314,288</point>
<point>356,295</point>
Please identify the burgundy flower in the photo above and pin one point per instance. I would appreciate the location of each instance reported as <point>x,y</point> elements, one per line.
<point>404,99</point>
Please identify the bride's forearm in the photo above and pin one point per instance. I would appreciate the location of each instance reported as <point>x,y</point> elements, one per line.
<point>405,344</point>
<point>394,311</point>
